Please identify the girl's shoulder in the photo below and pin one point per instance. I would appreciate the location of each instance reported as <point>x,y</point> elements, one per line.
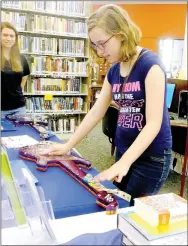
<point>150,56</point>
<point>148,60</point>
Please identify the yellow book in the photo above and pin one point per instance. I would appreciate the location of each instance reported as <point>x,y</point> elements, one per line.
<point>12,190</point>
<point>20,42</point>
<point>38,23</point>
<point>63,84</point>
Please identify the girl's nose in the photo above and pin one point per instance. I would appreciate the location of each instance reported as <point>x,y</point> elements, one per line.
<point>100,52</point>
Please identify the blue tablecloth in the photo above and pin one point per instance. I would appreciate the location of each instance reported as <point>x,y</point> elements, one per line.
<point>67,196</point>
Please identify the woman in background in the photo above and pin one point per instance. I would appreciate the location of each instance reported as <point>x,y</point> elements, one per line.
<point>14,72</point>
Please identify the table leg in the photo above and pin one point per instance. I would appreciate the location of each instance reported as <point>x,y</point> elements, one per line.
<point>112,149</point>
<point>184,168</point>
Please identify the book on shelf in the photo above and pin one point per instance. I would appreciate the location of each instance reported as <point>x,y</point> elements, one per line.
<point>72,8</point>
<point>49,64</point>
<point>51,46</point>
<point>45,85</point>
<point>138,231</point>
<point>19,20</point>
<point>51,24</point>
<point>62,124</point>
<point>72,85</point>
<point>45,24</point>
<point>71,47</point>
<point>42,86</point>
<point>57,104</point>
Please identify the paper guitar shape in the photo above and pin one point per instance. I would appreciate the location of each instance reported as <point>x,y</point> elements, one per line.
<point>38,123</point>
<point>72,166</point>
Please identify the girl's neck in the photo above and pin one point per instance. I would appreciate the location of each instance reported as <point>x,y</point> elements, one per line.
<point>134,58</point>
<point>6,53</point>
<point>125,67</point>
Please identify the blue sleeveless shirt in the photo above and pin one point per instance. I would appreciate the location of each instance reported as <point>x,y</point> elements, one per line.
<point>132,101</point>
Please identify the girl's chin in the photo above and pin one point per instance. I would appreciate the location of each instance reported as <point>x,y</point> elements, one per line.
<point>112,60</point>
<point>7,45</point>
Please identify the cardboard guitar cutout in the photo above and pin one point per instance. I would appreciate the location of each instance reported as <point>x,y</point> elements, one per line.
<point>72,166</point>
<point>38,123</point>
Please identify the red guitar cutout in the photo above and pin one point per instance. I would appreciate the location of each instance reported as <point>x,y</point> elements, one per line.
<point>72,166</point>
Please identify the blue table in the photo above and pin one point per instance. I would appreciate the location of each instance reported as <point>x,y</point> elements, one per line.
<point>67,196</point>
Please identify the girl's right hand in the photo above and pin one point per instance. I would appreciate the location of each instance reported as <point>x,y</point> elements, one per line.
<point>56,149</point>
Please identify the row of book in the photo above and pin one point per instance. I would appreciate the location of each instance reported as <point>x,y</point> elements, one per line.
<point>62,124</point>
<point>41,45</point>
<point>61,104</point>
<point>71,47</point>
<point>19,20</point>
<point>54,64</point>
<point>58,25</point>
<point>45,24</point>
<point>78,8</point>
<point>55,85</point>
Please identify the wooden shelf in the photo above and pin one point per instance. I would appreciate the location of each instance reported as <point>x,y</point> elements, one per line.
<point>96,86</point>
<point>37,12</point>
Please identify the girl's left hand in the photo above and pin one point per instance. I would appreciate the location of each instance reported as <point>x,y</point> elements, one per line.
<point>115,172</point>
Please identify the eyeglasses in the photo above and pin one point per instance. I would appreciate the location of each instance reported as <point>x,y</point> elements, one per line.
<point>8,35</point>
<point>100,46</point>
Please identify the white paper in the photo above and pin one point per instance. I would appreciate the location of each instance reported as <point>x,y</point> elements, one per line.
<point>18,141</point>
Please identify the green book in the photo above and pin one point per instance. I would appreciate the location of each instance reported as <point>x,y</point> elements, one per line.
<point>12,191</point>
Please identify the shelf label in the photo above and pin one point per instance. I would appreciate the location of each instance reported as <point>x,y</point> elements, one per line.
<point>48,97</point>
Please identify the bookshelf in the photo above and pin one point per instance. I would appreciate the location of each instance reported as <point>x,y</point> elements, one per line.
<point>53,37</point>
<point>99,70</point>
<point>94,93</point>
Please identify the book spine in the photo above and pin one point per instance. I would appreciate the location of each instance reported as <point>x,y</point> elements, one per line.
<point>131,232</point>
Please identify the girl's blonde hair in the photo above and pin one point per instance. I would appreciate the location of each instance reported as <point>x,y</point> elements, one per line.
<point>15,58</point>
<point>116,21</point>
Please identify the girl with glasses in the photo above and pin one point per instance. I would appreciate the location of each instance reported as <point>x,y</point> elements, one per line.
<point>143,136</point>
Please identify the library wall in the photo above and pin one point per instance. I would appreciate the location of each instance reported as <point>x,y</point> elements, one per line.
<point>156,21</point>
<point>184,62</point>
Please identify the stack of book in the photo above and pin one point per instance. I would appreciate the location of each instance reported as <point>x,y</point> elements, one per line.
<point>155,220</point>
